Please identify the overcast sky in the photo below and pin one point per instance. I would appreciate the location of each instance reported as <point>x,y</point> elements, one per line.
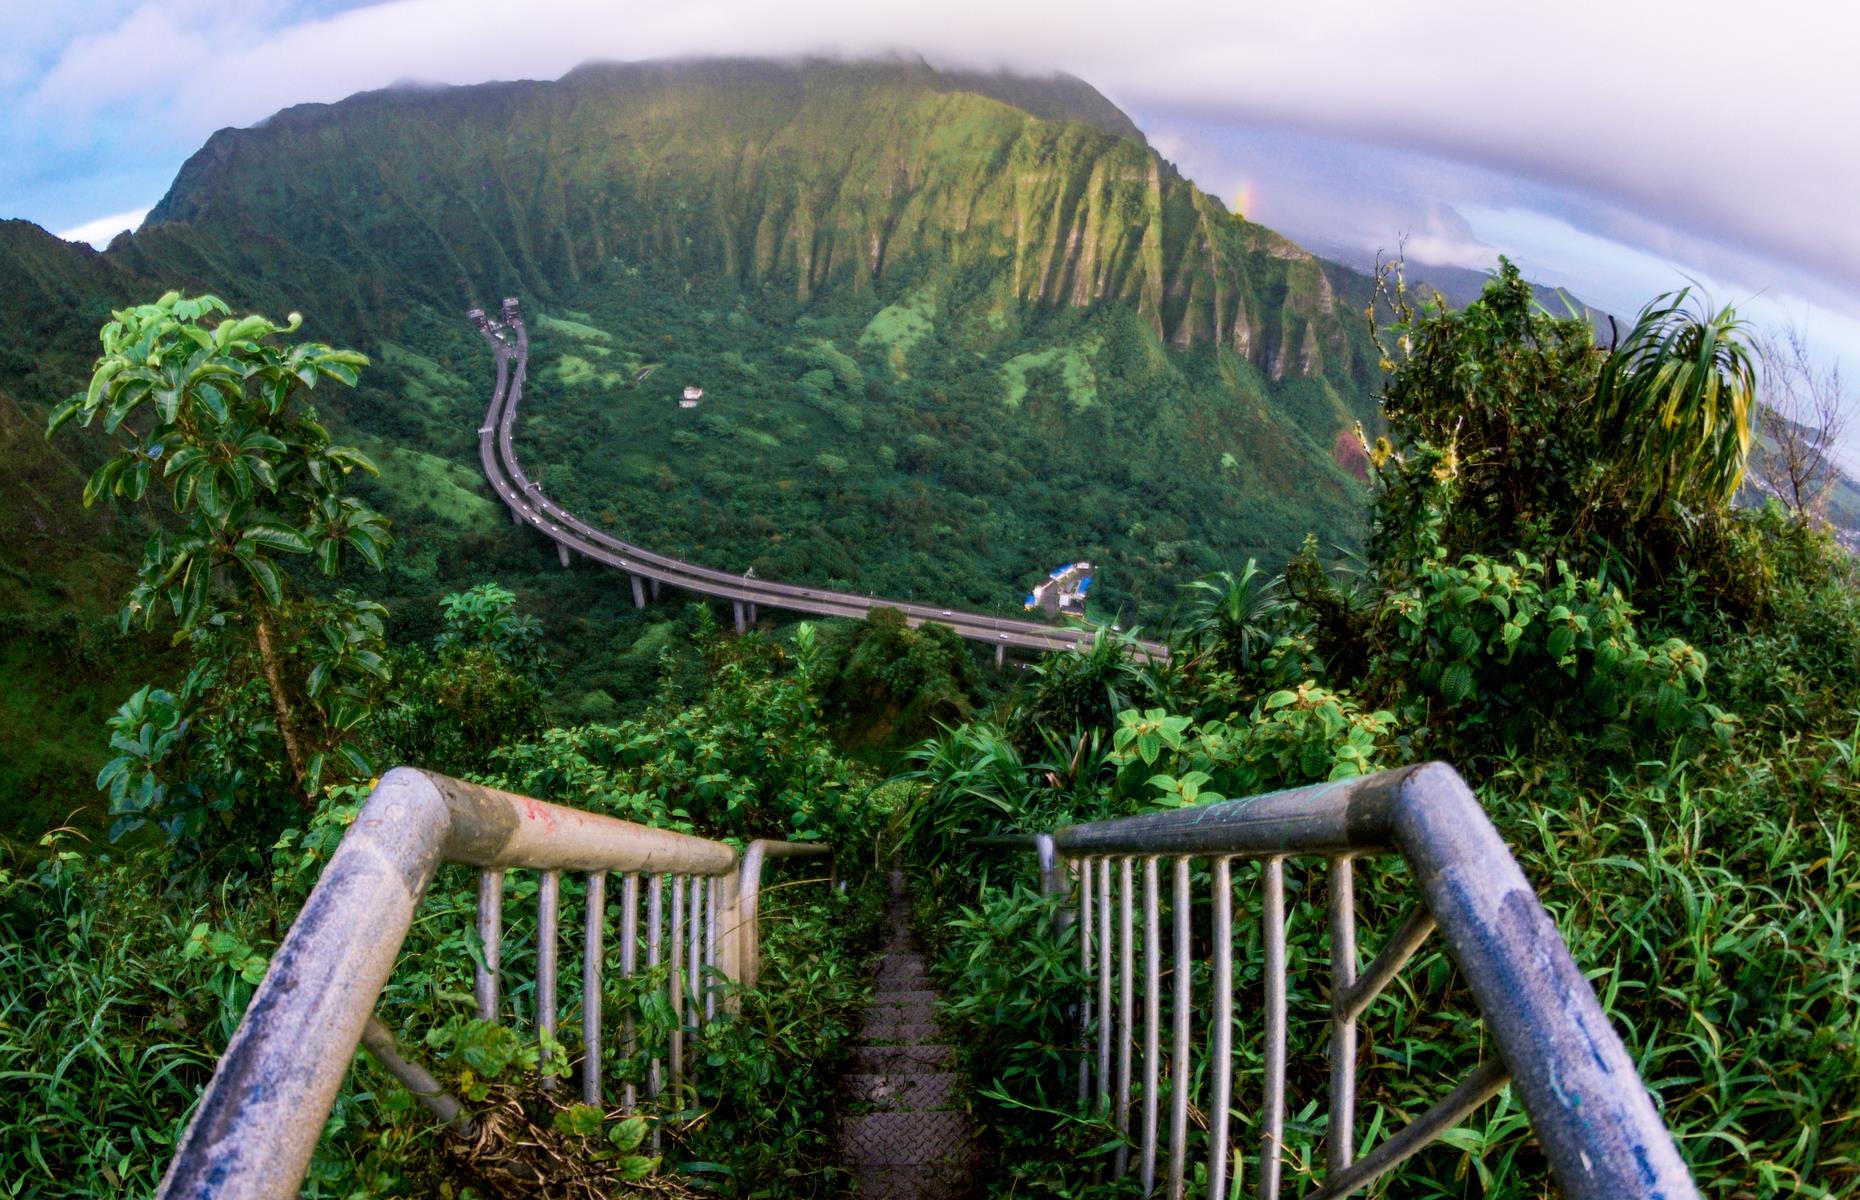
<point>1606,146</point>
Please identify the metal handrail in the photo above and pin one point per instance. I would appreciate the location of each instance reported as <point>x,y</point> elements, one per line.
<point>1591,1113</point>
<point>263,1111</point>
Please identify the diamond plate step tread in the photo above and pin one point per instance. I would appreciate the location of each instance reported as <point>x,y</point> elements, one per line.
<point>879,1059</point>
<point>889,1181</point>
<point>884,1014</point>
<point>910,1139</point>
<point>899,961</point>
<point>905,1091</point>
<point>901,981</point>
<point>899,1035</point>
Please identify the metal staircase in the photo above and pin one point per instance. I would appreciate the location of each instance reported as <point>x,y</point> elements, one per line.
<point>1151,1046</point>
<point>904,1132</point>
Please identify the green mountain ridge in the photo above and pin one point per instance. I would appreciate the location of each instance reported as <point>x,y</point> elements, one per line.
<point>867,187</point>
<point>819,176</point>
<point>953,327</point>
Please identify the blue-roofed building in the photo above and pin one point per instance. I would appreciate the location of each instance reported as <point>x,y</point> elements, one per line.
<point>1063,591</point>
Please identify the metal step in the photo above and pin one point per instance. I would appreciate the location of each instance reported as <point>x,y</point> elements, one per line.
<point>886,1181</point>
<point>883,1015</point>
<point>904,972</point>
<point>908,1139</point>
<point>905,1091</point>
<point>886,1059</point>
<point>899,1035</point>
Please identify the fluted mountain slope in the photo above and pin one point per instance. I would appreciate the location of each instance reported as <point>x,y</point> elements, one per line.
<point>818,177</point>
<point>953,328</point>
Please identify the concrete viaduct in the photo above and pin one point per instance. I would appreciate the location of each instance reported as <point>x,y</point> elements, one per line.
<point>509,341</point>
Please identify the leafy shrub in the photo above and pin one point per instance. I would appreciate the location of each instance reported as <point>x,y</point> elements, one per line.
<point>1493,653</point>
<point>886,682</point>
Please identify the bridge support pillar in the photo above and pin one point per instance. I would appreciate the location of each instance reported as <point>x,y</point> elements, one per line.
<point>654,589</point>
<point>562,553</point>
<point>1000,656</point>
<point>742,626</point>
<point>516,518</point>
<point>752,614</point>
<point>639,592</point>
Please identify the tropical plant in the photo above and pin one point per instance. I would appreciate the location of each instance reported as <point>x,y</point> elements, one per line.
<point>1084,688</point>
<point>477,690</point>
<point>219,412</point>
<point>1229,617</point>
<point>486,618</point>
<point>1676,401</point>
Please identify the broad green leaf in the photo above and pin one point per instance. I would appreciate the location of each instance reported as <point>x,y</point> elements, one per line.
<point>272,536</point>
<point>265,575</point>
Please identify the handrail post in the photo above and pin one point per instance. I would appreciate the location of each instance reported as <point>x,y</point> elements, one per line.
<point>748,912</point>
<point>259,1119</point>
<point>742,926</point>
<point>1053,879</point>
<point>1589,1109</point>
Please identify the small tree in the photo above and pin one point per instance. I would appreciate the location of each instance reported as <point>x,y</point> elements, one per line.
<point>1229,619</point>
<point>477,689</point>
<point>218,411</point>
<point>1803,414</point>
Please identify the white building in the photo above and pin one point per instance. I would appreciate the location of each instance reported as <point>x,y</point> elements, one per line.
<point>1063,590</point>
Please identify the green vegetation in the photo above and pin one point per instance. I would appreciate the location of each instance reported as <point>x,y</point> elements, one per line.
<point>123,970</point>
<point>1655,700</point>
<point>123,974</point>
<point>1014,351</point>
<point>252,476</point>
<point>1073,363</point>
<point>931,392</point>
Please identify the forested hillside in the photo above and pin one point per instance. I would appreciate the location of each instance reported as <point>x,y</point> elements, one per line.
<point>949,330</point>
<point>952,329</point>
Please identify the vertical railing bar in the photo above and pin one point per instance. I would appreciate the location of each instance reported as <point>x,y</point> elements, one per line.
<point>490,942</point>
<point>675,985</point>
<point>1086,931</point>
<point>694,964</point>
<point>629,966</point>
<point>1106,1022</point>
<point>710,948</point>
<point>548,902</point>
<point>1179,1066</point>
<point>1126,1009</point>
<point>1152,1016</point>
<point>694,974</point>
<point>591,951</point>
<point>655,927</point>
<point>1223,1049</point>
<point>1272,1118</point>
<point>1342,1028</point>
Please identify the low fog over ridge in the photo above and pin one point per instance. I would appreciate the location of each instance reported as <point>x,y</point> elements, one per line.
<point>1656,133</point>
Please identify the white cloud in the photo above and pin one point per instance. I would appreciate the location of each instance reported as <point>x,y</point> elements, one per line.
<point>99,232</point>
<point>1709,115</point>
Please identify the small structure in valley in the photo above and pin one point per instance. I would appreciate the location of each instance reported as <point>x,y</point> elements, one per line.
<point>691,397</point>
<point>1063,590</point>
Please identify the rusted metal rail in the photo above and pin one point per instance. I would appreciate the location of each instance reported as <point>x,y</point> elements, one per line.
<point>264,1109</point>
<point>1591,1113</point>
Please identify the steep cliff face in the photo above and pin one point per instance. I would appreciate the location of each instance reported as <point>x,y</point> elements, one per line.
<point>807,177</point>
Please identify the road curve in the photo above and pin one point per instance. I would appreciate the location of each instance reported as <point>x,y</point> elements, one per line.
<point>572,535</point>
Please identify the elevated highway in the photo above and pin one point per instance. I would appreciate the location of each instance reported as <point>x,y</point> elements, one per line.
<point>509,342</point>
